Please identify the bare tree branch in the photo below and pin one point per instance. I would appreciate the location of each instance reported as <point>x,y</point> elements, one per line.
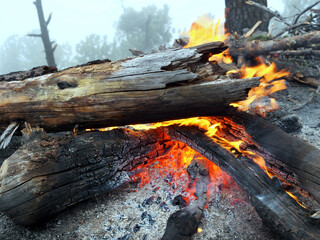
<point>34,35</point>
<point>304,11</point>
<point>273,13</point>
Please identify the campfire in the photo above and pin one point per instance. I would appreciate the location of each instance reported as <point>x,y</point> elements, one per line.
<point>182,112</point>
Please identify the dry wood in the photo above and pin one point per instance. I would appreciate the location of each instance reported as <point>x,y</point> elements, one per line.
<point>165,85</point>
<point>300,52</point>
<point>257,48</point>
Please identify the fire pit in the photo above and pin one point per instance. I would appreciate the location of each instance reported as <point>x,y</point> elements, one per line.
<point>197,157</point>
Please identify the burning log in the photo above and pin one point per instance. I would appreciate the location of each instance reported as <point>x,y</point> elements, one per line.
<point>273,204</point>
<point>298,158</point>
<point>171,84</point>
<point>51,173</point>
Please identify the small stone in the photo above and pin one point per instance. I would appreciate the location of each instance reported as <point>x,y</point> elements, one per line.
<point>158,200</point>
<point>125,237</point>
<point>164,207</point>
<point>136,228</point>
<point>148,201</point>
<point>151,221</point>
<point>144,215</point>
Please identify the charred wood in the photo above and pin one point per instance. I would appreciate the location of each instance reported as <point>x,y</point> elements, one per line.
<point>276,209</point>
<point>297,156</point>
<point>51,173</point>
<point>34,72</point>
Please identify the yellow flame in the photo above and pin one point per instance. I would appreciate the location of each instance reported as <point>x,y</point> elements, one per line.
<point>271,82</point>
<point>205,30</point>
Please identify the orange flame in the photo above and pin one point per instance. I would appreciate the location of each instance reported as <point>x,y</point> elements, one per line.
<point>204,30</point>
<point>180,158</point>
<point>174,167</point>
<point>270,82</point>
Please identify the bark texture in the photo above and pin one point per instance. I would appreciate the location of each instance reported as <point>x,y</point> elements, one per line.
<point>171,84</point>
<point>276,209</point>
<point>51,173</point>
<point>240,15</point>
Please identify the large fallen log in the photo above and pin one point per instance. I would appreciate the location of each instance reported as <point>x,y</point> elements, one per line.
<point>298,159</point>
<point>171,84</point>
<point>51,173</point>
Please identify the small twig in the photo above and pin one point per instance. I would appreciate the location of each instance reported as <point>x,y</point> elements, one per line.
<point>304,11</point>
<point>308,51</point>
<point>310,98</point>
<point>253,29</point>
<point>292,27</point>
<point>273,13</point>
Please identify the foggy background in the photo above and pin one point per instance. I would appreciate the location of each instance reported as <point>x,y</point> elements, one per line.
<point>86,30</point>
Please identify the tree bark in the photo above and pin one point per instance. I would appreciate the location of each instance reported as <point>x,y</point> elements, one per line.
<point>240,15</point>
<point>171,84</point>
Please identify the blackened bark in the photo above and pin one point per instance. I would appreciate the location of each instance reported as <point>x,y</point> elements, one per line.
<point>50,173</point>
<point>240,15</point>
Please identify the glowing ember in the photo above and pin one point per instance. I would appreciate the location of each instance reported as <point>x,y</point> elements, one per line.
<point>174,167</point>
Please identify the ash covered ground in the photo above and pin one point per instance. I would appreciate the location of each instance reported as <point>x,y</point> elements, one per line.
<point>141,213</point>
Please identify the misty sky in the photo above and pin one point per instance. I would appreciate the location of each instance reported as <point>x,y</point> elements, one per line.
<point>72,20</point>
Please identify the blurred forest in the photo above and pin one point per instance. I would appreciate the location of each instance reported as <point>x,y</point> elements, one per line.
<point>143,30</point>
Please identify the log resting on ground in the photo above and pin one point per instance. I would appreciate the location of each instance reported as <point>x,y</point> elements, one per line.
<point>276,209</point>
<point>298,158</point>
<point>170,84</point>
<point>183,224</point>
<point>51,173</point>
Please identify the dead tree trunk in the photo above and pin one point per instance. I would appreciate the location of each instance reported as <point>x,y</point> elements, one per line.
<point>240,15</point>
<point>49,50</point>
<point>165,85</point>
